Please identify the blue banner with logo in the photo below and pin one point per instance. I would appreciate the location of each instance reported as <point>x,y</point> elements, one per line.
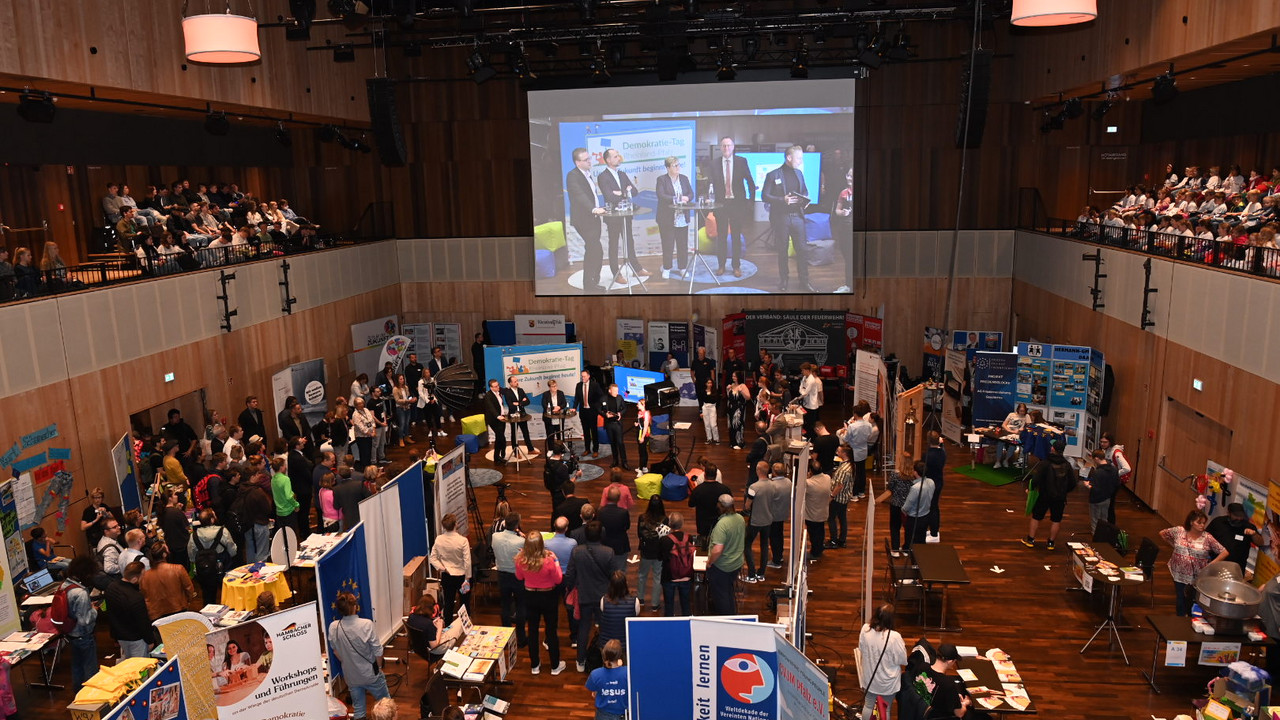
<point>413,519</point>
<point>159,698</point>
<point>345,568</point>
<point>995,387</point>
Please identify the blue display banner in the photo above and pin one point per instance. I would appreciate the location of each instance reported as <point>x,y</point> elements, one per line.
<point>995,387</point>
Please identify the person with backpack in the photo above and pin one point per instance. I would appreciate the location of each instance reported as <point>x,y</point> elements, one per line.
<point>1053,479</point>
<point>211,547</point>
<point>676,551</point>
<point>616,606</point>
<point>883,655</point>
<point>74,616</point>
<point>650,529</point>
<point>209,489</point>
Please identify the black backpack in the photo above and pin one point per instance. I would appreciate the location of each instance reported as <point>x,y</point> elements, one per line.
<point>207,562</point>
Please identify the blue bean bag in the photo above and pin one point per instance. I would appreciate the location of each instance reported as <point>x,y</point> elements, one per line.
<point>544,263</point>
<point>471,442</point>
<point>675,487</point>
<point>659,424</point>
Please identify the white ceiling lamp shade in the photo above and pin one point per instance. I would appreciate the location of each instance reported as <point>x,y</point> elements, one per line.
<point>1047,13</point>
<point>221,38</point>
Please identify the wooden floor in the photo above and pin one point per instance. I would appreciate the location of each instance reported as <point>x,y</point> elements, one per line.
<point>1025,610</point>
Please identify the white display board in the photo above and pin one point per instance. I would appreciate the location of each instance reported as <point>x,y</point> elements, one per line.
<point>451,488</point>
<point>384,542</point>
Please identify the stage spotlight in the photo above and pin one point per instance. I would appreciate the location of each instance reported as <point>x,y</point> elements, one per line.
<point>726,69</point>
<point>352,12</point>
<point>344,53</point>
<point>479,68</point>
<point>216,123</point>
<point>283,136</point>
<point>1073,108</point>
<point>303,13</point>
<point>346,142</point>
<point>870,55</point>
<point>800,63</point>
<point>520,65</point>
<point>1164,89</point>
<point>36,107</point>
<point>600,71</point>
<point>901,48</point>
<point>1103,109</point>
<point>329,133</point>
<point>751,46</point>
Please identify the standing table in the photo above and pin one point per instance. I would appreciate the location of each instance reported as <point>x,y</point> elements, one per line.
<point>939,564</point>
<point>1099,565</point>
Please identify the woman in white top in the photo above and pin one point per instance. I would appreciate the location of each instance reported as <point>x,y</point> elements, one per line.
<point>1013,424</point>
<point>359,388</point>
<point>883,655</point>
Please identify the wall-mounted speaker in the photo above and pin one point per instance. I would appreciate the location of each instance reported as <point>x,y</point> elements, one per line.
<point>386,121</point>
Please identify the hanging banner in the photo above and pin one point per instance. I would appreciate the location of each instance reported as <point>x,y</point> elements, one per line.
<point>183,637</point>
<point>630,339</point>
<point>395,351</point>
<point>126,476</point>
<point>451,488</point>
<point>305,381</point>
<point>867,371</point>
<point>367,339</point>
<point>659,345</point>
<point>539,329</point>
<point>799,336</point>
<point>161,697</point>
<point>268,667</point>
<point>413,524</point>
<point>933,349</point>
<point>995,387</point>
<point>421,339</point>
<point>345,568</point>
<point>535,365</point>
<point>449,340</point>
<point>733,336</point>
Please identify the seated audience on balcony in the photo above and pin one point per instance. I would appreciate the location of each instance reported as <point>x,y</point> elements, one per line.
<point>1234,181</point>
<point>143,215</point>
<point>127,228</point>
<point>27,276</point>
<point>175,198</point>
<point>277,218</point>
<point>1170,177</point>
<point>111,204</point>
<point>8,282</point>
<point>180,225</point>
<point>154,202</point>
<point>148,255</point>
<point>252,214</point>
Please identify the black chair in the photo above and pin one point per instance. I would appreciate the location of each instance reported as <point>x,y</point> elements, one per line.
<point>905,585</point>
<point>1145,558</point>
<point>435,698</point>
<point>1106,533</point>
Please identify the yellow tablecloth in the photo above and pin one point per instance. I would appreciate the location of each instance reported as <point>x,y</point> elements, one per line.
<point>242,593</point>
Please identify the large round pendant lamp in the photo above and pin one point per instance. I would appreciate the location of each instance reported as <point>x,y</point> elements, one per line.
<point>1045,13</point>
<point>221,38</point>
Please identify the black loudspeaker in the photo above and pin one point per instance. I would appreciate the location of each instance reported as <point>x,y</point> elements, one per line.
<point>975,91</point>
<point>386,122</point>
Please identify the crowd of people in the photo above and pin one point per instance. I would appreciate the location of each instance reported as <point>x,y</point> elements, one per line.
<point>1220,219</point>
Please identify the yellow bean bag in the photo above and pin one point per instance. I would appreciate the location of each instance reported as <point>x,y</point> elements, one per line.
<point>549,236</point>
<point>648,485</point>
<point>474,425</point>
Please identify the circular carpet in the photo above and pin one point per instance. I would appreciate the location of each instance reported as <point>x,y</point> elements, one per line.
<point>525,455</point>
<point>732,290</point>
<point>701,275</point>
<point>606,281</point>
<point>590,472</point>
<point>484,477</point>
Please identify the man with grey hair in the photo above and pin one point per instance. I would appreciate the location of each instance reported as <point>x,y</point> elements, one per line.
<point>724,560</point>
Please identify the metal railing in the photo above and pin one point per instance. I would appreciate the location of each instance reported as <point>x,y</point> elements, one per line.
<point>376,223</point>
<point>1216,253</point>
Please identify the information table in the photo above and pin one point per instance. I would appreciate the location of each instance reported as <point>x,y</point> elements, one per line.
<point>492,650</point>
<point>241,586</point>
<point>996,686</point>
<point>1174,629</point>
<point>1100,567</point>
<point>939,565</point>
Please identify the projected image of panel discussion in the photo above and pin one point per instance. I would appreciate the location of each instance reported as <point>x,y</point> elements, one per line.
<point>695,189</point>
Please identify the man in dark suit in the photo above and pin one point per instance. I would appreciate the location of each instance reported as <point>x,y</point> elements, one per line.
<point>552,400</point>
<point>587,399</point>
<point>735,189</point>
<point>614,407</point>
<point>291,420</point>
<point>517,401</point>
<point>495,412</point>
<point>786,193</point>
<point>436,364</point>
<point>251,419</point>
<point>616,187</point>
<point>584,216</point>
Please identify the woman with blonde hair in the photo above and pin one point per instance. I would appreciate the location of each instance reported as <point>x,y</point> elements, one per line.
<point>540,572</point>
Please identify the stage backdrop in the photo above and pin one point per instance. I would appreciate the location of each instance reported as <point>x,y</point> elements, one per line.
<point>282,678</point>
<point>535,365</point>
<point>799,336</point>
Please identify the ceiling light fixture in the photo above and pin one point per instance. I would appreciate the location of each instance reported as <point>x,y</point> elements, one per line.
<point>1047,13</point>
<point>727,69</point>
<point>35,106</point>
<point>220,38</point>
<point>800,63</point>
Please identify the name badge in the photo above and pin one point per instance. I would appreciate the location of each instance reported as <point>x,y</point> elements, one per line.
<point>777,181</point>
<point>1240,538</point>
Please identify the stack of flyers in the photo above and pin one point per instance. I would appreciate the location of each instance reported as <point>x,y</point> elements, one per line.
<point>1016,696</point>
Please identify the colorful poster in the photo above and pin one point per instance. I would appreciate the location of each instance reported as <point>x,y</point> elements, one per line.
<point>10,621</point>
<point>933,349</point>
<point>421,339</point>
<point>630,339</point>
<point>539,329</point>
<point>449,340</point>
<point>367,339</point>
<point>24,496</point>
<point>1219,654</point>
<point>535,366</point>
<point>395,351</point>
<point>12,535</point>
<point>976,340</point>
<point>1268,563</point>
<point>161,697</point>
<point>267,668</point>
<point>735,673</point>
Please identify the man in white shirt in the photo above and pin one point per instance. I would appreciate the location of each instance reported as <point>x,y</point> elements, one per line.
<point>858,435</point>
<point>810,397</point>
<point>109,549</point>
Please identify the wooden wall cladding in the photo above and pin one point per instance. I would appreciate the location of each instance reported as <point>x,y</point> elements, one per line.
<point>137,52</point>
<point>1129,34</point>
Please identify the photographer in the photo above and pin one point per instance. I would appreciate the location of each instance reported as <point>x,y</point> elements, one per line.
<point>557,472</point>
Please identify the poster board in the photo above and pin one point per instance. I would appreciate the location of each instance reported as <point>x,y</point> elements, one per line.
<point>995,387</point>
<point>10,621</point>
<point>909,419</point>
<point>16,566</point>
<point>421,339</point>
<point>448,337</point>
<point>1065,383</point>
<point>630,339</point>
<point>384,551</point>
<point>276,675</point>
<point>306,381</point>
<point>953,394</point>
<point>367,339</point>
<point>866,380</point>
<point>451,488</point>
<point>535,365</point>
<point>668,337</point>
<point>122,462</point>
<point>794,337</point>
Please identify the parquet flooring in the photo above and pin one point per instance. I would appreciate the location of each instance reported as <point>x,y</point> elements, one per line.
<point>1025,610</point>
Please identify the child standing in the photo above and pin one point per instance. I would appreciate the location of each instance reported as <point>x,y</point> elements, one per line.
<point>608,684</point>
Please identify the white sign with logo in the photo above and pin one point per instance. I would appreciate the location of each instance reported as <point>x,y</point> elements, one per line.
<point>268,668</point>
<point>539,329</point>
